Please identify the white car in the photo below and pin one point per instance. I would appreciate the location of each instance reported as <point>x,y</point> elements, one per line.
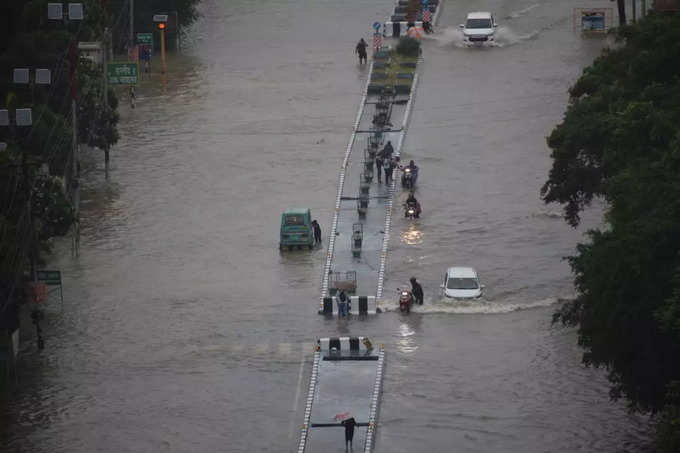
<point>479,28</point>
<point>462,283</point>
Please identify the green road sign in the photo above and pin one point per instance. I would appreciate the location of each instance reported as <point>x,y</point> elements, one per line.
<point>49,277</point>
<point>122,73</point>
<point>145,38</point>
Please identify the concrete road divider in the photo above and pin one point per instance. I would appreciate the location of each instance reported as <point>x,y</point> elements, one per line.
<point>345,344</point>
<point>358,305</point>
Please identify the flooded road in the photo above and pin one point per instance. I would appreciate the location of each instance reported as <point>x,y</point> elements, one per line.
<point>185,329</point>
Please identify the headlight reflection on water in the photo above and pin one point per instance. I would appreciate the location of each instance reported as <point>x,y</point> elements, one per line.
<point>406,343</point>
<point>412,236</point>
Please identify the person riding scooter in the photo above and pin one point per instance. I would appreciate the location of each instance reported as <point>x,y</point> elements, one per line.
<point>409,171</point>
<point>411,202</point>
<point>405,300</point>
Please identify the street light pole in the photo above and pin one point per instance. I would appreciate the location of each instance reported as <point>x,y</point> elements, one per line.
<point>132,23</point>
<point>106,95</point>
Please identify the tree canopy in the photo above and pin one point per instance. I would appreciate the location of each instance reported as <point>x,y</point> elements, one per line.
<point>620,141</point>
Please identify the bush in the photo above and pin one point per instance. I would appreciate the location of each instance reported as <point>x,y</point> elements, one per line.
<point>409,47</point>
<point>668,427</point>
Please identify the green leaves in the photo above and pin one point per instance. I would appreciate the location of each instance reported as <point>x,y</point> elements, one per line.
<point>620,141</point>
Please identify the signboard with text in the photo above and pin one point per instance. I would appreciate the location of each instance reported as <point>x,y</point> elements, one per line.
<point>145,40</point>
<point>593,20</point>
<point>49,277</point>
<point>122,73</point>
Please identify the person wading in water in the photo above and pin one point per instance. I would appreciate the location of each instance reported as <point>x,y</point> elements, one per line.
<point>361,50</point>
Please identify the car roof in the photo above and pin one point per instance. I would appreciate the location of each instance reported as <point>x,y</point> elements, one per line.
<point>296,211</point>
<point>461,272</point>
<point>479,15</point>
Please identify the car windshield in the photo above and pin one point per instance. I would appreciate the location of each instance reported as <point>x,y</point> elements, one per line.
<point>462,283</point>
<point>293,219</point>
<point>478,23</point>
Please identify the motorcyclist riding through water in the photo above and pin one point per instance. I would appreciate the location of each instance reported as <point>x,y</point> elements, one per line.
<point>405,300</point>
<point>412,203</point>
<point>409,175</point>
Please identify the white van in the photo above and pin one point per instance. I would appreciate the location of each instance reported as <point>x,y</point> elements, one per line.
<point>479,27</point>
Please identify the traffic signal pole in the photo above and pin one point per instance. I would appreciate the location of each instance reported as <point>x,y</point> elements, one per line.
<point>162,28</point>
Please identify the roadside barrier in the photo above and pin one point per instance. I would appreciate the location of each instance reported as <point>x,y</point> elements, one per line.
<point>313,382</point>
<point>344,344</point>
<point>358,305</point>
<point>373,413</point>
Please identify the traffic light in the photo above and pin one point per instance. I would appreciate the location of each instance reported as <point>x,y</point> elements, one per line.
<point>161,25</point>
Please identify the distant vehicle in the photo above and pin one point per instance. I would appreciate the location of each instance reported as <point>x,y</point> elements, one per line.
<point>479,28</point>
<point>296,229</point>
<point>462,283</point>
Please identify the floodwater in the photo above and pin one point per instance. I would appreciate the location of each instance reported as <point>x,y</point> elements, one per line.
<point>185,329</point>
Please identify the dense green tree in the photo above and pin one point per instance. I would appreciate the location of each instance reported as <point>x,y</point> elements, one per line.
<point>620,141</point>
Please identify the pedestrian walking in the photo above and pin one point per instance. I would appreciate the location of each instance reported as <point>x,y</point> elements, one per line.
<point>388,150</point>
<point>349,425</point>
<point>317,232</point>
<point>342,303</point>
<point>133,96</point>
<point>379,165</point>
<point>361,50</point>
<point>388,166</point>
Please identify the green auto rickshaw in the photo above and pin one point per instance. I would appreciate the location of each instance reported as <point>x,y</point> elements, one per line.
<point>296,229</point>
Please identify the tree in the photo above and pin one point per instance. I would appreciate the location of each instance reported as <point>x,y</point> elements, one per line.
<point>620,141</point>
<point>33,204</point>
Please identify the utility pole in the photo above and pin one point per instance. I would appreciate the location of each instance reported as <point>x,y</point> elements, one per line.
<point>132,23</point>
<point>106,96</point>
<point>75,161</point>
<point>55,11</point>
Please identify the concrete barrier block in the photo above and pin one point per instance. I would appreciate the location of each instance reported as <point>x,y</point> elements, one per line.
<point>362,305</point>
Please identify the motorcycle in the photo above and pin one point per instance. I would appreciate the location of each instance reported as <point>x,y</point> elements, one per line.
<point>407,179</point>
<point>410,210</point>
<point>405,301</point>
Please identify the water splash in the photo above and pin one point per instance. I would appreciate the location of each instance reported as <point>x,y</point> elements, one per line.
<point>449,36</point>
<point>476,307</point>
<point>521,12</point>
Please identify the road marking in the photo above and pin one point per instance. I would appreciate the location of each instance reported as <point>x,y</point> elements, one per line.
<point>291,429</point>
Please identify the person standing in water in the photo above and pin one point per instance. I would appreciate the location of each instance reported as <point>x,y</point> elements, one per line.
<point>361,51</point>
<point>349,425</point>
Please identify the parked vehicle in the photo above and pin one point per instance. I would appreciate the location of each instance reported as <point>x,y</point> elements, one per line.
<point>296,229</point>
<point>462,283</point>
<point>479,28</point>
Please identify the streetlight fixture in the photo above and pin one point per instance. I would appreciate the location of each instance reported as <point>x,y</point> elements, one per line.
<point>55,11</point>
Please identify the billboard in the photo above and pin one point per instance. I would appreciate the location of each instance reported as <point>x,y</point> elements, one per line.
<point>595,20</point>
